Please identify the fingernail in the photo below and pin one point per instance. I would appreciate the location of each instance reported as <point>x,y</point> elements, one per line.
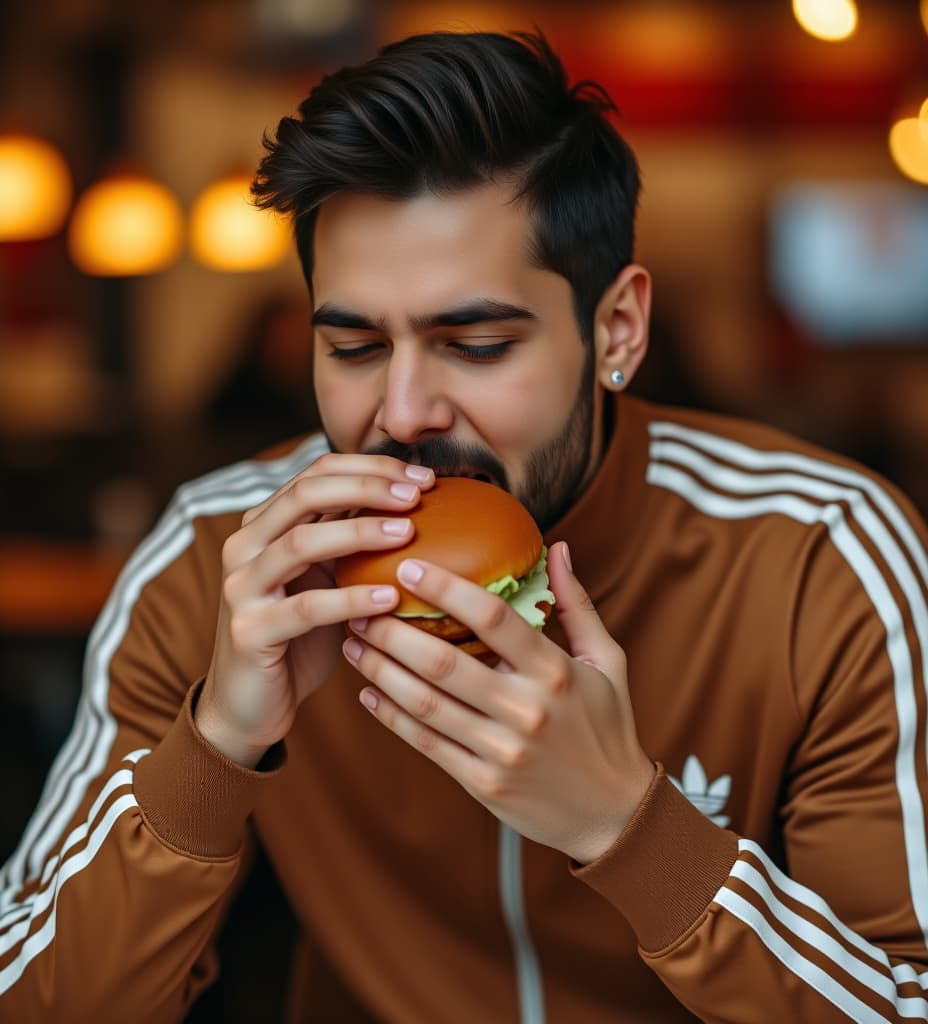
<point>409,572</point>
<point>358,625</point>
<point>405,492</point>
<point>567,562</point>
<point>395,527</point>
<point>369,700</point>
<point>383,595</point>
<point>353,649</point>
<point>420,473</point>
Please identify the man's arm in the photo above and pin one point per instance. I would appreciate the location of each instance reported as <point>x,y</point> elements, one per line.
<point>547,743</point>
<point>836,930</point>
<point>108,906</point>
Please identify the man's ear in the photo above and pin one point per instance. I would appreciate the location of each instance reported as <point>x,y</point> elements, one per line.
<point>620,327</point>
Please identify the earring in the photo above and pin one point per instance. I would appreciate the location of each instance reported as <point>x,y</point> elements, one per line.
<point>617,378</point>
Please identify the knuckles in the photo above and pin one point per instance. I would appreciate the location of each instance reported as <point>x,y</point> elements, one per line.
<point>534,721</point>
<point>492,616</point>
<point>305,607</point>
<point>240,630</point>
<point>231,588</point>
<point>231,555</point>
<point>491,784</point>
<point>302,491</point>
<point>441,663</point>
<point>295,541</point>
<point>425,706</point>
<point>424,740</point>
<point>558,681</point>
<point>514,755</point>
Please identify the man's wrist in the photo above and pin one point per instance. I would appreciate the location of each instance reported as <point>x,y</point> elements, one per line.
<point>596,844</point>
<point>217,734</point>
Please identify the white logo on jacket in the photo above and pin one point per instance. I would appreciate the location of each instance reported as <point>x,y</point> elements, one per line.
<point>705,796</point>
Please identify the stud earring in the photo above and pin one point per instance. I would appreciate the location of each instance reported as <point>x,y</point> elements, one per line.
<point>617,378</point>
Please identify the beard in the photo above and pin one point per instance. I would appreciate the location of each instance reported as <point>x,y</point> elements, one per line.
<point>554,472</point>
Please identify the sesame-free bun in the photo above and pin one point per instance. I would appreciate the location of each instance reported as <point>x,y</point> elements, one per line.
<point>476,530</point>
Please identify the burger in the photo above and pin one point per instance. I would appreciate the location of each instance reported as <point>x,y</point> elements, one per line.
<point>477,531</point>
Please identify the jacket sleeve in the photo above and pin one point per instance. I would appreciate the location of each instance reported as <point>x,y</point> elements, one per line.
<point>109,906</point>
<point>832,927</point>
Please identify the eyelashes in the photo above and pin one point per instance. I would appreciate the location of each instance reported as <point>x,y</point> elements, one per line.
<point>482,353</point>
<point>468,353</point>
<point>349,355</point>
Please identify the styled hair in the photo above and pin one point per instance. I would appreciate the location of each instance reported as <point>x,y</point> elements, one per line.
<point>445,111</point>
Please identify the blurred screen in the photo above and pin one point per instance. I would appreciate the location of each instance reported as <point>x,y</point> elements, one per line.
<point>849,262</point>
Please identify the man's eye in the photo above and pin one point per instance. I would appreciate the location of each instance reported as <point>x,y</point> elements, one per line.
<point>470,353</point>
<point>356,353</point>
<point>481,353</point>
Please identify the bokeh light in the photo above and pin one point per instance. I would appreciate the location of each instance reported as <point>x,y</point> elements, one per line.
<point>35,189</point>
<point>227,232</point>
<point>908,144</point>
<point>827,19</point>
<point>125,225</point>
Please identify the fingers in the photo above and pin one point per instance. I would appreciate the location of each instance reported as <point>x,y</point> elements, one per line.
<point>458,675</point>
<point>310,497</point>
<point>274,623</point>
<point>332,464</point>
<point>306,544</point>
<point>587,638</point>
<point>425,716</point>
<point>490,617</point>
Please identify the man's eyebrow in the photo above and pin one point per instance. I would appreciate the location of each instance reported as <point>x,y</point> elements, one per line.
<point>477,311</point>
<point>328,315</point>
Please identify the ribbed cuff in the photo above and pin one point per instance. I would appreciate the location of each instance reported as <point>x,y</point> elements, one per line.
<point>193,796</point>
<point>665,868</point>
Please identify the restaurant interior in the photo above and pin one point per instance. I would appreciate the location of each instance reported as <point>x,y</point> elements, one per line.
<point>154,325</point>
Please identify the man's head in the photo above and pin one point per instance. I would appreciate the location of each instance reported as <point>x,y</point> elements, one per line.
<point>455,193</point>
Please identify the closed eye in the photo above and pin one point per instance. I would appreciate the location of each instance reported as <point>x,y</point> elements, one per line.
<point>355,353</point>
<point>470,353</point>
<point>481,353</point>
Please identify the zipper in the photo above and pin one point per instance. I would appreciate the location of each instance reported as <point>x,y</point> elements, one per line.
<point>528,973</point>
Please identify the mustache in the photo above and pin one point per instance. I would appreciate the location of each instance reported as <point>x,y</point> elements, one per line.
<point>446,457</point>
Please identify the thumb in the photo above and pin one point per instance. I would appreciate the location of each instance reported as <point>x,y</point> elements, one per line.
<point>587,638</point>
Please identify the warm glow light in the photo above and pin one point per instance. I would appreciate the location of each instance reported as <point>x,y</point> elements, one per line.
<point>125,225</point>
<point>315,18</point>
<point>35,188</point>
<point>826,19</point>
<point>227,232</point>
<point>908,144</point>
<point>925,14</point>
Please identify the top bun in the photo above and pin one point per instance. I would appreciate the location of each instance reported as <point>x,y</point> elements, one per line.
<point>474,529</point>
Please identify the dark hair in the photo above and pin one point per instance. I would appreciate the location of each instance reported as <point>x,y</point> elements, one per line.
<point>445,111</point>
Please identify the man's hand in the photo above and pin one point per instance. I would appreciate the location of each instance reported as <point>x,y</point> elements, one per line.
<point>281,614</point>
<point>546,741</point>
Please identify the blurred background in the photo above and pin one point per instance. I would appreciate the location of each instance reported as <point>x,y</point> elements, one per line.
<point>153,326</point>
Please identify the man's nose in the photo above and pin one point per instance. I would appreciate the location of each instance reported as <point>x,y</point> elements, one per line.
<point>415,403</point>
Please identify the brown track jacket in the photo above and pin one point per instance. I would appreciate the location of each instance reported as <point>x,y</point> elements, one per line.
<point>771,599</point>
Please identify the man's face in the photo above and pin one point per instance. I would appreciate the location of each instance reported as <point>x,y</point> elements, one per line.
<point>437,341</point>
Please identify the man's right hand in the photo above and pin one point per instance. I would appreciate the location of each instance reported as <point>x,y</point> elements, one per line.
<point>280,619</point>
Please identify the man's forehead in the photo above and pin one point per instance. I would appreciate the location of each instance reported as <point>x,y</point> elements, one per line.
<point>484,213</point>
<point>418,258</point>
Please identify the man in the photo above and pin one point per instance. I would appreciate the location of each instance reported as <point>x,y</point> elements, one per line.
<point>721,819</point>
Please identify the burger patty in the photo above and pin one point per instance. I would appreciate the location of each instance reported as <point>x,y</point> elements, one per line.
<point>450,629</point>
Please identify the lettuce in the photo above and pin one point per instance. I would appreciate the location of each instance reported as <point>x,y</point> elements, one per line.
<point>522,594</point>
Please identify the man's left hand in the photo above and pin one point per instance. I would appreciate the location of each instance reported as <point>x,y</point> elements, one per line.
<point>546,740</point>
